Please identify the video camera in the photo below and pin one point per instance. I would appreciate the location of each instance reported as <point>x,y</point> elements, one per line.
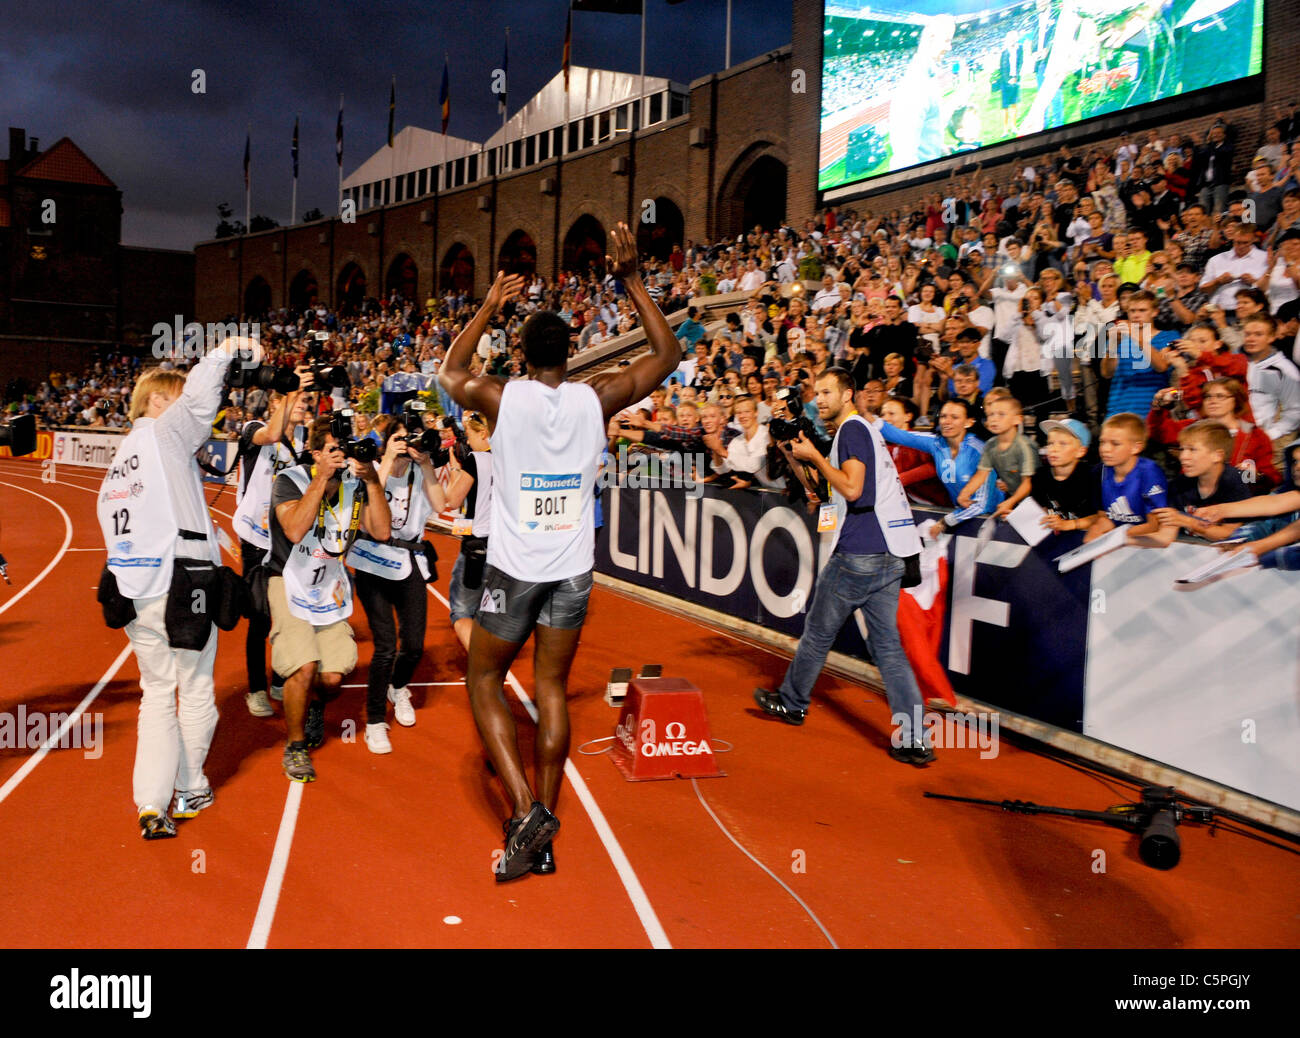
<point>19,435</point>
<point>364,449</point>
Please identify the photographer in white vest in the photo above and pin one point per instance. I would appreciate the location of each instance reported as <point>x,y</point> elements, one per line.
<point>266,448</point>
<point>872,533</point>
<point>154,518</point>
<point>317,511</point>
<point>390,581</point>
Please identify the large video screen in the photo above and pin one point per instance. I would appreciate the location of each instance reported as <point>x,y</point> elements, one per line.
<point>908,81</point>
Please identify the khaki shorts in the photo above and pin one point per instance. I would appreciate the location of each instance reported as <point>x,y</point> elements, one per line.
<point>295,642</point>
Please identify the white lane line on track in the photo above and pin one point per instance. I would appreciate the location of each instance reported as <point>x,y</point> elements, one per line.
<point>75,716</point>
<point>727,833</point>
<point>67,539</point>
<point>635,892</point>
<point>275,874</point>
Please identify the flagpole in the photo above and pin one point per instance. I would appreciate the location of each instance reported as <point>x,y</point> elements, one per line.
<point>339,159</point>
<point>392,148</point>
<point>727,65</point>
<point>248,185</point>
<point>640,104</point>
<point>293,206</point>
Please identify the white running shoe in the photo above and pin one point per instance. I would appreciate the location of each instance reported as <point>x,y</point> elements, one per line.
<point>402,709</point>
<point>377,738</point>
<point>277,693</point>
<point>258,704</point>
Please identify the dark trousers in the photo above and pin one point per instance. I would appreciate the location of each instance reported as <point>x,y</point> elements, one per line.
<point>259,629</point>
<point>998,348</point>
<point>1031,389</point>
<point>398,645</point>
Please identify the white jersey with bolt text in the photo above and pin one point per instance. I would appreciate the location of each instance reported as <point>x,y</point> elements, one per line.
<point>544,451</point>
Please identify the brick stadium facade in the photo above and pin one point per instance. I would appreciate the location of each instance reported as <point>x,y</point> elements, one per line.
<point>745,152</point>
<point>67,284</point>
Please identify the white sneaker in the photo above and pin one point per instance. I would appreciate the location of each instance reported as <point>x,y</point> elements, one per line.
<point>277,693</point>
<point>402,709</point>
<point>377,738</point>
<point>258,704</point>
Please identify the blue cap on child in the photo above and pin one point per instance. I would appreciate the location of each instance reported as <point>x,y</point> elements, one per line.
<point>1072,426</point>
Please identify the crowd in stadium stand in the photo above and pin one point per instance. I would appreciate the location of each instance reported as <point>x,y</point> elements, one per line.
<point>1136,290</point>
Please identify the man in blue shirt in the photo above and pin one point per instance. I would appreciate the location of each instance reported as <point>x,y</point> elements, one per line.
<point>690,331</point>
<point>872,522</point>
<point>1138,365</point>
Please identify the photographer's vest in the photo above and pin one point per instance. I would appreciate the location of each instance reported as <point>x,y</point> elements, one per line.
<point>544,449</point>
<point>137,518</point>
<point>409,508</point>
<point>252,519</point>
<point>477,518</point>
<point>891,508</point>
<point>316,583</point>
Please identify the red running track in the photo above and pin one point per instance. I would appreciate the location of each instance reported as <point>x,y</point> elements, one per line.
<point>396,851</point>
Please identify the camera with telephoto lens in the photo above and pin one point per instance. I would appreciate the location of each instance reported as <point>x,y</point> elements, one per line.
<point>426,441</point>
<point>363,450</point>
<point>282,379</point>
<point>460,445</point>
<point>325,376</point>
<point>783,430</point>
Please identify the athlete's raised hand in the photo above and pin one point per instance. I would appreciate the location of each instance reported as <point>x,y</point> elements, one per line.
<point>622,260</point>
<point>505,288</point>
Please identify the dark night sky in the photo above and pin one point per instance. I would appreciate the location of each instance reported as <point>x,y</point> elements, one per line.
<point>116,78</point>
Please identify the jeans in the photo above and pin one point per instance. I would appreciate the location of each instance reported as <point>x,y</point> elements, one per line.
<point>849,582</point>
<point>398,645</point>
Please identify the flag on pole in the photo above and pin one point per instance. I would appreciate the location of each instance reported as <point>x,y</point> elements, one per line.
<point>444,95</point>
<point>247,145</point>
<point>338,135</point>
<point>392,109</point>
<point>505,74</point>
<point>294,149</point>
<point>568,48</point>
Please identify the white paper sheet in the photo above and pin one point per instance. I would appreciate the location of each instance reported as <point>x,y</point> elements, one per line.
<point>1226,562</point>
<point>1027,520</point>
<point>1085,553</point>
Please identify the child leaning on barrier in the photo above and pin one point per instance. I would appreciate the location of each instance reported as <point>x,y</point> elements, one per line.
<point>1008,454</point>
<point>1068,490</point>
<point>1131,486</point>
<point>1207,478</point>
<point>1275,519</point>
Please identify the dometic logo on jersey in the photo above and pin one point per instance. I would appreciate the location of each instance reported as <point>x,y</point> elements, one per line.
<point>542,483</point>
<point>126,991</point>
<point>180,341</point>
<point>30,731</point>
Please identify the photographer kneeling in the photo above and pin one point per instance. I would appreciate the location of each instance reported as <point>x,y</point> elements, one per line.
<point>317,511</point>
<point>161,582</point>
<point>873,533</point>
<point>391,577</point>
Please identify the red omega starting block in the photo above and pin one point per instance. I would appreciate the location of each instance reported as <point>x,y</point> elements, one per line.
<point>663,732</point>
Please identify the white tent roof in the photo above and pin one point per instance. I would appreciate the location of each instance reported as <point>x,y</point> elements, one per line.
<point>590,90</point>
<point>413,149</point>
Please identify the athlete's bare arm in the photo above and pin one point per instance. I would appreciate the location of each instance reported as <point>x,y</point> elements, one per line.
<point>482,392</point>
<point>619,389</point>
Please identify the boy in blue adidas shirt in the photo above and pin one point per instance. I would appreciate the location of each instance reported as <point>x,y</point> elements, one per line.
<point>1131,486</point>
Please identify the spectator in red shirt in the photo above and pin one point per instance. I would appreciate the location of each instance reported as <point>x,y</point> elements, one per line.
<point>915,468</point>
<point>1202,357</point>
<point>1224,400</point>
